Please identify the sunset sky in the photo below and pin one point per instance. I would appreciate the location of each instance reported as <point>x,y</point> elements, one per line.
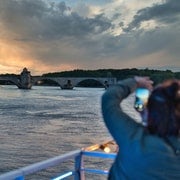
<point>57,35</point>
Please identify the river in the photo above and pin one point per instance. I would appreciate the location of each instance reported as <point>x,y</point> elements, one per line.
<point>45,121</point>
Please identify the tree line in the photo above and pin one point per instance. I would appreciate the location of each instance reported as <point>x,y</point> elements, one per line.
<point>156,75</point>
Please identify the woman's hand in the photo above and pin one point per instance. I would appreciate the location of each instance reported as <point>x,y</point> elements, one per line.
<point>144,82</point>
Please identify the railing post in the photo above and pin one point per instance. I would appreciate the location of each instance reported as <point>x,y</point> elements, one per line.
<point>19,178</point>
<point>79,174</point>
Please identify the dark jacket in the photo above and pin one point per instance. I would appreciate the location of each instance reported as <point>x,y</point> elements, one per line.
<point>141,156</point>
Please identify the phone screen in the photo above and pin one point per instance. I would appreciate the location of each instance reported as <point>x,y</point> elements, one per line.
<point>141,98</point>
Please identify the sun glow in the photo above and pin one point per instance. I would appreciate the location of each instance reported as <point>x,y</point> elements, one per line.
<point>14,57</point>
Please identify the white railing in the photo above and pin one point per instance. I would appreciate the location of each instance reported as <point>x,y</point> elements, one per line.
<point>78,172</point>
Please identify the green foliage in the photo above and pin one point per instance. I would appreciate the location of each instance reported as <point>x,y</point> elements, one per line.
<point>9,75</point>
<point>156,75</point>
<point>177,75</point>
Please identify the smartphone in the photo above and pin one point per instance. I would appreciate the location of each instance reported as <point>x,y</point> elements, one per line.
<point>141,98</point>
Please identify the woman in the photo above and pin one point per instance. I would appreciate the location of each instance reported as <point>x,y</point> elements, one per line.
<point>151,152</point>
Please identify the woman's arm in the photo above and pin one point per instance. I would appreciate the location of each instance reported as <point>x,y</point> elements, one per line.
<point>120,125</point>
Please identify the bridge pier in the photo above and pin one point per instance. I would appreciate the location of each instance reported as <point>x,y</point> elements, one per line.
<point>68,85</point>
<point>25,80</point>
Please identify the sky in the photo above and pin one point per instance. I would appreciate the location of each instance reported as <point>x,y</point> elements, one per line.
<point>61,35</point>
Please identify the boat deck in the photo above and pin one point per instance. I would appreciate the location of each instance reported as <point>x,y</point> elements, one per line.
<point>79,170</point>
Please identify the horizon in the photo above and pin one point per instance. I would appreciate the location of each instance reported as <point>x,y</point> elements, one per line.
<point>139,69</point>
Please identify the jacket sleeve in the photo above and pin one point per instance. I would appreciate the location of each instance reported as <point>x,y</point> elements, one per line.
<point>120,125</point>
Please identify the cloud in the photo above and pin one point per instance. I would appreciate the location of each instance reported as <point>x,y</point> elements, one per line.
<point>35,19</point>
<point>165,36</point>
<point>54,36</point>
<point>49,30</point>
<point>167,13</point>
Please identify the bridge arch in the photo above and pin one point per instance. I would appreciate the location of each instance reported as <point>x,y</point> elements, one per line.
<point>38,80</point>
<point>92,81</point>
<point>13,81</point>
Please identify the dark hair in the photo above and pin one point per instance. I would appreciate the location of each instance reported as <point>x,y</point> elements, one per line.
<point>162,119</point>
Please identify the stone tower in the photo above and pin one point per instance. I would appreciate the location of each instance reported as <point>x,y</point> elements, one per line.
<point>25,79</point>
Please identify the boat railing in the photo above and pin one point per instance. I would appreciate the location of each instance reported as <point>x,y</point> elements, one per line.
<point>78,171</point>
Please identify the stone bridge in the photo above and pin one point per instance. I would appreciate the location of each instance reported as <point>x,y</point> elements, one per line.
<point>22,81</point>
<point>70,82</point>
<point>26,81</point>
<point>13,79</point>
<point>63,82</point>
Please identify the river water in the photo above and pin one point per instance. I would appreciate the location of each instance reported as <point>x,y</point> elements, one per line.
<point>45,121</point>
